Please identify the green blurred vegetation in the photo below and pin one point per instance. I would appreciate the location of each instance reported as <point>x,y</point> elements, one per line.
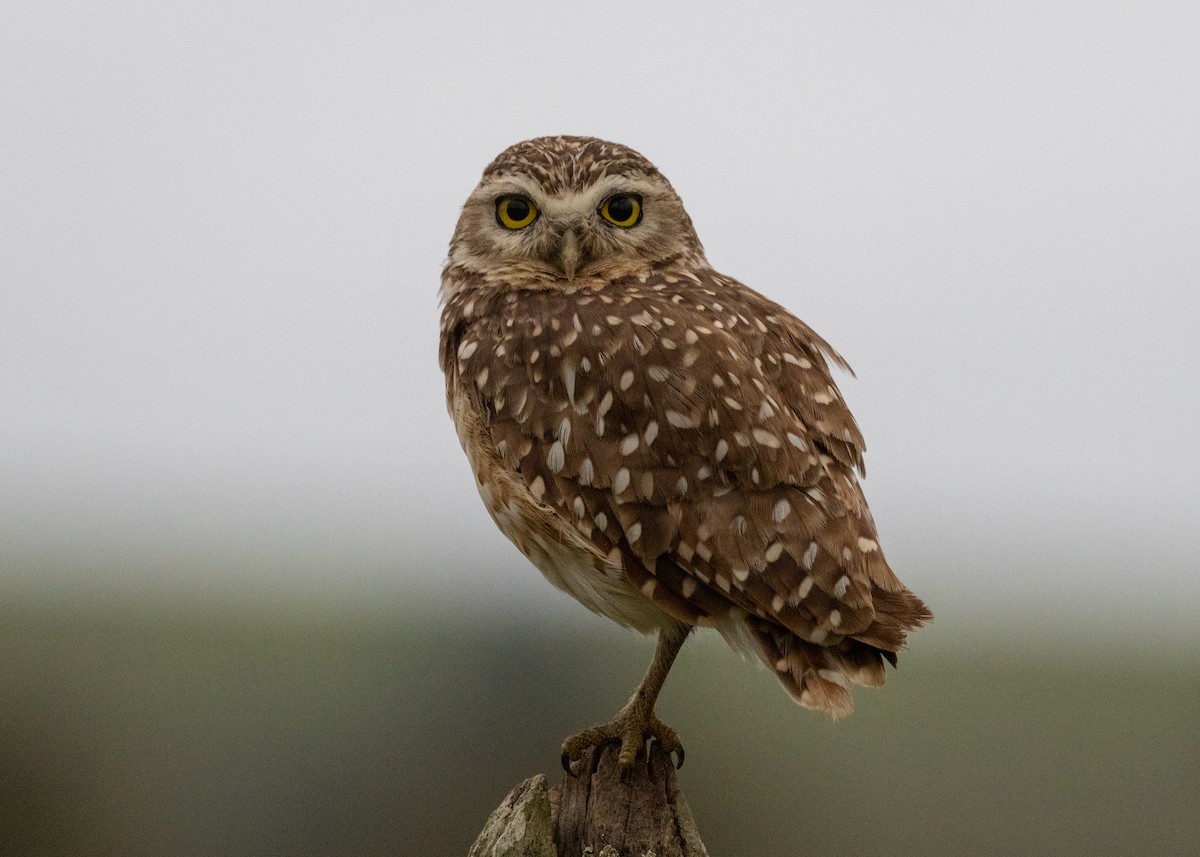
<point>156,730</point>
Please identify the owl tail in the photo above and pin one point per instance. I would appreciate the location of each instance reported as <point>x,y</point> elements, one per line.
<point>812,675</point>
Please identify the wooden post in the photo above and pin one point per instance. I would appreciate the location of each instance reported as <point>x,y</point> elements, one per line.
<point>596,812</point>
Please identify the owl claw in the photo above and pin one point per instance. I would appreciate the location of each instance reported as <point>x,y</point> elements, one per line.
<point>632,732</point>
<point>677,753</point>
<point>668,740</point>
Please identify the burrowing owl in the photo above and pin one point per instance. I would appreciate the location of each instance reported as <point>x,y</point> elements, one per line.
<point>664,443</point>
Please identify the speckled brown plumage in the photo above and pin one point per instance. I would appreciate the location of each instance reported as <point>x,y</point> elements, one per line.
<point>663,442</point>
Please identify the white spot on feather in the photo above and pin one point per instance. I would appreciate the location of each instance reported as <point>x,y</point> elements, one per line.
<point>621,480</point>
<point>766,438</point>
<point>679,420</point>
<point>556,458</point>
<point>568,376</point>
<point>834,677</point>
<point>774,551</point>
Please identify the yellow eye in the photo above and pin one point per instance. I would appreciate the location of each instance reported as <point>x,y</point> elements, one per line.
<point>515,212</point>
<point>622,209</point>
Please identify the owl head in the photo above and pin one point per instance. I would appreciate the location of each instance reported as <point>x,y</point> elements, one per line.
<point>558,209</point>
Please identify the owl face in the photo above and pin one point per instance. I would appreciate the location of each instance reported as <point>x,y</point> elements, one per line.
<point>554,210</point>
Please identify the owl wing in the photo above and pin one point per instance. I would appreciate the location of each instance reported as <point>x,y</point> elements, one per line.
<point>693,430</point>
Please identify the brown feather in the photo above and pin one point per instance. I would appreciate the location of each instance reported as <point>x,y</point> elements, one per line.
<point>681,428</point>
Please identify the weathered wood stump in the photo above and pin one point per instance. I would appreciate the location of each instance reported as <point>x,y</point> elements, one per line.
<point>596,812</point>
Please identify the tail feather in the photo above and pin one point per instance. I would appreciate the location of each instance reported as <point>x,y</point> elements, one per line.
<point>862,664</point>
<point>809,673</point>
<point>896,613</point>
<point>819,675</point>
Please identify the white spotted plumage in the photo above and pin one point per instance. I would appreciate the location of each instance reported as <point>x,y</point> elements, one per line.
<point>663,442</point>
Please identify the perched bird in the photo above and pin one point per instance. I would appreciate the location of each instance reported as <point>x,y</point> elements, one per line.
<point>664,443</point>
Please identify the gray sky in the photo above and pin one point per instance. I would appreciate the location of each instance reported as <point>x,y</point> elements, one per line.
<point>222,226</point>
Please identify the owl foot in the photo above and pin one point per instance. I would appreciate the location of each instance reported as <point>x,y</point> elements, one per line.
<point>632,729</point>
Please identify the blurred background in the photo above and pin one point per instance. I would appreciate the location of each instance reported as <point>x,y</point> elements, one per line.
<point>249,600</point>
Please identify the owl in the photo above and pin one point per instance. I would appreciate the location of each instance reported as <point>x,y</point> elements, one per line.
<point>664,443</point>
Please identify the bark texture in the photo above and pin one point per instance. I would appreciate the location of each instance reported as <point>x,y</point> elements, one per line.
<point>596,813</point>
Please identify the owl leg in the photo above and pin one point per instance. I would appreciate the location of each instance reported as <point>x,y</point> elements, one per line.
<point>636,721</point>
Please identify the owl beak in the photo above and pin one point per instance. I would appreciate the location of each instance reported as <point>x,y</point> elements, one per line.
<point>568,254</point>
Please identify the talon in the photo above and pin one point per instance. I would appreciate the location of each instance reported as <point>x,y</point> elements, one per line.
<point>633,730</point>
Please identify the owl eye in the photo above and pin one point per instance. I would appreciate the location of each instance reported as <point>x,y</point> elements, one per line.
<point>515,212</point>
<point>622,209</point>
